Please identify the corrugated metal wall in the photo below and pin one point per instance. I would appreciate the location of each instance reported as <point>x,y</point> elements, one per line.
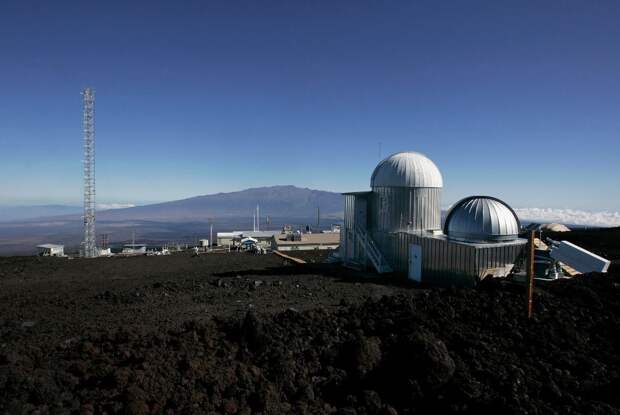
<point>497,256</point>
<point>393,209</point>
<point>446,262</point>
<point>401,209</point>
<point>346,238</point>
<point>355,214</point>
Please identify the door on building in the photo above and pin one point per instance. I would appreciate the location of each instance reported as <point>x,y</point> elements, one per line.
<point>415,262</point>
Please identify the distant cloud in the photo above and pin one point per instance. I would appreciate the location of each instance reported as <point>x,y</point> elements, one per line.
<point>569,216</point>
<point>108,206</point>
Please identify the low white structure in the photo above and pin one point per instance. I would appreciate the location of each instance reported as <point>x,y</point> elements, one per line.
<point>226,238</point>
<point>134,249</point>
<point>335,228</point>
<point>51,250</point>
<point>264,239</point>
<point>307,242</point>
<point>203,243</point>
<point>157,252</point>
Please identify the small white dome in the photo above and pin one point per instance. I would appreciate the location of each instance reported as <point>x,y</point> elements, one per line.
<point>554,227</point>
<point>406,169</point>
<point>482,219</point>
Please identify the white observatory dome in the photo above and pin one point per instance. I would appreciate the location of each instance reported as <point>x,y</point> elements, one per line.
<point>406,169</point>
<point>482,219</point>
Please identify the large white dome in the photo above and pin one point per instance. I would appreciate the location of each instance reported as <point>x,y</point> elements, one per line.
<point>406,169</point>
<point>481,219</point>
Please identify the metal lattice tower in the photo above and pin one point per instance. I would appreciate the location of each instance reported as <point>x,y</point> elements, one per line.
<point>89,244</point>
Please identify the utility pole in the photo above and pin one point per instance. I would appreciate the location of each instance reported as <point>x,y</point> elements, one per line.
<point>318,218</point>
<point>530,273</point>
<point>104,241</point>
<point>88,124</point>
<point>257,218</point>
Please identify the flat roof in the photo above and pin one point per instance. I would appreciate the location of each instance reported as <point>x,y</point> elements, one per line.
<point>228,234</point>
<point>331,238</point>
<point>243,234</point>
<point>261,234</point>
<point>50,246</point>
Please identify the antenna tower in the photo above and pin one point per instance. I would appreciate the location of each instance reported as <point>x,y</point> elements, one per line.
<point>89,244</point>
<point>257,218</point>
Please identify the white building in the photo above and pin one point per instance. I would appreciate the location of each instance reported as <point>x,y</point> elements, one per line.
<point>264,239</point>
<point>307,242</point>
<point>105,251</point>
<point>226,238</point>
<point>134,249</point>
<point>51,250</point>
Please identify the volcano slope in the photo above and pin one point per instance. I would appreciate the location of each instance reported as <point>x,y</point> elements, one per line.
<point>242,334</point>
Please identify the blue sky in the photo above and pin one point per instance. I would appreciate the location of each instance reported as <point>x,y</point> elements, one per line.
<point>520,100</point>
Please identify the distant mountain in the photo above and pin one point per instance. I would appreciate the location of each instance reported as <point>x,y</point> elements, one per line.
<point>275,201</point>
<point>180,220</point>
<point>14,213</point>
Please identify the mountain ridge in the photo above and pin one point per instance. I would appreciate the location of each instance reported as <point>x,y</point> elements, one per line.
<point>281,200</point>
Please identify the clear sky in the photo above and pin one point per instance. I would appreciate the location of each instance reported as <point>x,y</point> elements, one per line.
<point>519,100</point>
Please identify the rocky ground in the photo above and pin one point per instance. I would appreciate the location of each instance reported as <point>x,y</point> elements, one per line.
<point>244,334</point>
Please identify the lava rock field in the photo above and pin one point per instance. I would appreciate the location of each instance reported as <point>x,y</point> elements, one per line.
<point>243,334</point>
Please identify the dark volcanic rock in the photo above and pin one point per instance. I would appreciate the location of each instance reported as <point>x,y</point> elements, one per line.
<point>93,349</point>
<point>427,357</point>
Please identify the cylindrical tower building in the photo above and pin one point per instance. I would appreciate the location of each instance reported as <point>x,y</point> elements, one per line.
<point>406,194</point>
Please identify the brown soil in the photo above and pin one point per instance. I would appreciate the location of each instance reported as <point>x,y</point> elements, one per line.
<point>242,334</point>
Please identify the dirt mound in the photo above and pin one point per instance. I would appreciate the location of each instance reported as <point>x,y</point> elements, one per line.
<point>456,351</point>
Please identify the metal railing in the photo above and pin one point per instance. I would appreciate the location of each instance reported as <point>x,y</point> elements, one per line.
<point>372,251</point>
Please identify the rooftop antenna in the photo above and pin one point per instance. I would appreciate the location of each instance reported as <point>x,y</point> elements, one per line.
<point>257,218</point>
<point>88,124</point>
<point>210,232</point>
<point>318,218</point>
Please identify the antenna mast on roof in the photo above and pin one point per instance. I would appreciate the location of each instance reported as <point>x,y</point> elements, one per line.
<point>318,218</point>
<point>89,244</point>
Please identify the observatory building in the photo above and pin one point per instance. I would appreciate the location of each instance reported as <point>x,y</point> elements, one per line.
<point>396,227</point>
